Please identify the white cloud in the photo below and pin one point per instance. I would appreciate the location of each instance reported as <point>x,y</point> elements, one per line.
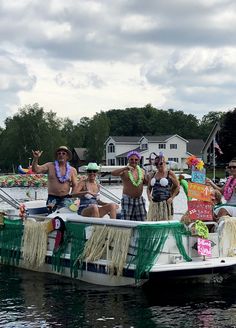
<point>87,56</point>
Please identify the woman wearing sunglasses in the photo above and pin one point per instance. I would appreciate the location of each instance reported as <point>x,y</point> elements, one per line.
<point>163,186</point>
<point>228,191</point>
<point>89,193</point>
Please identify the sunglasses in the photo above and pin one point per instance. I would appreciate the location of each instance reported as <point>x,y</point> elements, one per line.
<point>91,171</point>
<point>232,167</point>
<point>62,153</point>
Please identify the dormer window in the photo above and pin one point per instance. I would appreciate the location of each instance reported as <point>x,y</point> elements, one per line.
<point>111,148</point>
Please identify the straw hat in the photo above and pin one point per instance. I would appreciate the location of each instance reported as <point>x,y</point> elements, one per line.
<point>65,149</point>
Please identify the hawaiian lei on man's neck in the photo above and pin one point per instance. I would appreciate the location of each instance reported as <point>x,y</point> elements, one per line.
<point>229,187</point>
<point>65,177</point>
<point>140,177</point>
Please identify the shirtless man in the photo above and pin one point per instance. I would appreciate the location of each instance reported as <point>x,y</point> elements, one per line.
<point>61,176</point>
<point>133,178</point>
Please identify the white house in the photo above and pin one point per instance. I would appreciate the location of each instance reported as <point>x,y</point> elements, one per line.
<point>174,147</point>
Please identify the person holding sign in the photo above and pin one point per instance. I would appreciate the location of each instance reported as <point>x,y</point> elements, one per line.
<point>228,191</point>
<point>161,190</point>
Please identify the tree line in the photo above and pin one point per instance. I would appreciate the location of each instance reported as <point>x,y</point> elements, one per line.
<point>34,128</point>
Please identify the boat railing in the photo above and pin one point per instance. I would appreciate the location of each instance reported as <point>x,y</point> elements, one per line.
<point>209,224</point>
<point>9,199</point>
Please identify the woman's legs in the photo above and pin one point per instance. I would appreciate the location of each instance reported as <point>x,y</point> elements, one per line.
<point>108,209</point>
<point>91,211</point>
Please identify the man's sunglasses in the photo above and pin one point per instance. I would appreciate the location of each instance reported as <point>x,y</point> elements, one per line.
<point>91,171</point>
<point>62,153</point>
<point>232,167</point>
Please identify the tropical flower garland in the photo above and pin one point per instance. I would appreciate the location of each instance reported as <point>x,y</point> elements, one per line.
<point>229,187</point>
<point>65,177</point>
<point>140,177</point>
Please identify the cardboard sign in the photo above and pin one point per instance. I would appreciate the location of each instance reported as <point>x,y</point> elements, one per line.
<point>204,247</point>
<point>199,191</point>
<point>199,210</point>
<point>198,176</point>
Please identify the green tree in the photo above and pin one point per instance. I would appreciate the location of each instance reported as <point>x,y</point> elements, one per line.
<point>208,121</point>
<point>98,131</point>
<point>228,135</point>
<point>30,128</point>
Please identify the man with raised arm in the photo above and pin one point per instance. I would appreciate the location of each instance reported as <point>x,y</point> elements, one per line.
<point>133,178</point>
<point>62,178</point>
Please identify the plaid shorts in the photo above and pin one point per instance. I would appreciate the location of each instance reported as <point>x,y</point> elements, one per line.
<point>133,208</point>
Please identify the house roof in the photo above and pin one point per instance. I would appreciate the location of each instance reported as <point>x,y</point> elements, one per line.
<point>135,139</point>
<point>194,146</point>
<point>127,139</point>
<point>126,153</point>
<point>80,152</point>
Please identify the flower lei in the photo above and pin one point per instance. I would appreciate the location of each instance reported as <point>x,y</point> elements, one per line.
<point>140,177</point>
<point>229,187</point>
<point>65,177</point>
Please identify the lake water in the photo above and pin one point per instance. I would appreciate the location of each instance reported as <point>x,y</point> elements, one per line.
<point>41,300</point>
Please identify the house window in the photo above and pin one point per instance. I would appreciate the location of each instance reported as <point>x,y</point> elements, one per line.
<point>162,146</point>
<point>111,161</point>
<point>144,146</point>
<point>173,159</point>
<point>111,148</point>
<point>173,146</point>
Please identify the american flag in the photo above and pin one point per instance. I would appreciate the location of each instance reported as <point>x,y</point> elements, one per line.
<point>217,147</point>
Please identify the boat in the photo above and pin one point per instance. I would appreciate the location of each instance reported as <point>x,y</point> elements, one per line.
<point>110,252</point>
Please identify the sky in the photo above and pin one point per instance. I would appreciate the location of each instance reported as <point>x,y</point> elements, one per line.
<point>78,58</point>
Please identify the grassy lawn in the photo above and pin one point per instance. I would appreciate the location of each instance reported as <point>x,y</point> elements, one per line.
<point>219,173</point>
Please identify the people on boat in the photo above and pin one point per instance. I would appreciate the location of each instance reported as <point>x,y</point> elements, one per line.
<point>88,191</point>
<point>133,179</point>
<point>228,191</point>
<point>162,188</point>
<point>62,177</point>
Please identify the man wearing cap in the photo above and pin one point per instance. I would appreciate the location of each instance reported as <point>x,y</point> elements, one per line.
<point>61,176</point>
<point>133,178</point>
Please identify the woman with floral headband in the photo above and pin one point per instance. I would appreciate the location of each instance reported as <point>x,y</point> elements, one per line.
<point>133,178</point>
<point>161,190</point>
<point>228,191</point>
<point>61,176</point>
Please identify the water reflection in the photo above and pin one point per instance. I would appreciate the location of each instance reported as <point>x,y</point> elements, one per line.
<point>42,300</point>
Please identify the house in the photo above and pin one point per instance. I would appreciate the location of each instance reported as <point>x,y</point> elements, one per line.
<point>174,147</point>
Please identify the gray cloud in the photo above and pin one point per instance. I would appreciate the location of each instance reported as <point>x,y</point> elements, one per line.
<point>184,48</point>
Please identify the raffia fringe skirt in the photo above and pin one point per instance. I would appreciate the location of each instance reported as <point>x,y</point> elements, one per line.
<point>160,211</point>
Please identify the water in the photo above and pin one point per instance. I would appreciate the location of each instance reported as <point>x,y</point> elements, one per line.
<point>38,300</point>
<point>29,299</point>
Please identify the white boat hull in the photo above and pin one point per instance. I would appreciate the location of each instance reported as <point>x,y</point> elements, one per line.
<point>169,265</point>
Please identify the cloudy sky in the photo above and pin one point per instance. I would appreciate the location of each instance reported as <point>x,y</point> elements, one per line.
<point>78,57</point>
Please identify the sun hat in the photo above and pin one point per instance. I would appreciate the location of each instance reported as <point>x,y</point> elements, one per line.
<point>92,167</point>
<point>66,150</point>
